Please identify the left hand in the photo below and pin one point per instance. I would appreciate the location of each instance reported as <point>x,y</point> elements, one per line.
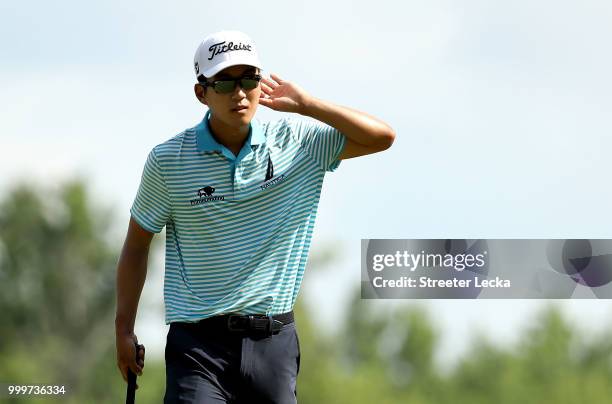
<point>281,95</point>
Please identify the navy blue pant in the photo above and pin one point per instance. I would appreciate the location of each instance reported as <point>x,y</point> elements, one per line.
<point>206,365</point>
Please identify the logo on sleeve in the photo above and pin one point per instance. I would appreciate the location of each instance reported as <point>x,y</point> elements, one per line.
<point>205,194</point>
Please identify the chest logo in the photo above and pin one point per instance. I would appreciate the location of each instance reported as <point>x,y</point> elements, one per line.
<point>272,182</point>
<point>206,191</point>
<point>205,194</point>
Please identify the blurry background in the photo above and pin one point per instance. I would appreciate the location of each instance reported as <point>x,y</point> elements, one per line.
<point>502,117</point>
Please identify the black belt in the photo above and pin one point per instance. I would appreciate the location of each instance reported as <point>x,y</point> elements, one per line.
<point>249,322</point>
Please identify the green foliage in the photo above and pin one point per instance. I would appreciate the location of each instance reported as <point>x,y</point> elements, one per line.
<point>57,279</point>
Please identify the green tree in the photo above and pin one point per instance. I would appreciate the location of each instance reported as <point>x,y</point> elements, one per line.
<point>57,271</point>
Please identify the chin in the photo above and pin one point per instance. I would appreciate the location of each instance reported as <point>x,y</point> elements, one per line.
<point>236,121</point>
<point>245,120</point>
<point>248,118</point>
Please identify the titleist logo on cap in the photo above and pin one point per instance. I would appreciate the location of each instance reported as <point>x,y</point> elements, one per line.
<point>219,48</point>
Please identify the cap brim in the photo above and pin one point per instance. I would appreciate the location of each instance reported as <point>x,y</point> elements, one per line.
<point>229,63</point>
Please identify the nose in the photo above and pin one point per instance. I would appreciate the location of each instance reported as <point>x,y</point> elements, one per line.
<point>238,93</point>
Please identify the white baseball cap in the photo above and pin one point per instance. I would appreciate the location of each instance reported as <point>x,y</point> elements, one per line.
<point>224,49</point>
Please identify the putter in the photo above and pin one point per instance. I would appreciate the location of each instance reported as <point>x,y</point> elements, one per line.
<point>131,388</point>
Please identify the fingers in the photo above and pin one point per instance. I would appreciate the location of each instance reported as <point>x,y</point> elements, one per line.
<point>123,370</point>
<point>269,82</point>
<point>272,82</point>
<point>138,364</point>
<point>135,364</point>
<point>141,352</point>
<point>136,367</point>
<point>277,78</point>
<point>266,102</point>
<point>266,87</point>
<point>141,356</point>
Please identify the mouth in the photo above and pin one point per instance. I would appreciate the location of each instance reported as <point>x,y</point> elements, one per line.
<point>240,108</point>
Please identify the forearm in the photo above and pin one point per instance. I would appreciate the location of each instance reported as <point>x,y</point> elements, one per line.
<point>131,275</point>
<point>357,126</point>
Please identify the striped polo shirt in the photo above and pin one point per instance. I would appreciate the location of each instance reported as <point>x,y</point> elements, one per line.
<point>238,228</point>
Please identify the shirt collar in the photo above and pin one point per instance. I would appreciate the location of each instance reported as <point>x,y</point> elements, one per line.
<point>206,141</point>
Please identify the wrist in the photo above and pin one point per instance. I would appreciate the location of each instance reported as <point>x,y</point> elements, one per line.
<point>308,106</point>
<point>123,326</point>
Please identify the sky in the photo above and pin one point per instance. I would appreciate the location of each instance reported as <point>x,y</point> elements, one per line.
<point>501,111</point>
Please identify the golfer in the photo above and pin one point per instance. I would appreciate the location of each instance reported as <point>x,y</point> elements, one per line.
<point>238,199</point>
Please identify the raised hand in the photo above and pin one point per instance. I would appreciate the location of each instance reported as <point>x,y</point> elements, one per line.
<point>281,95</point>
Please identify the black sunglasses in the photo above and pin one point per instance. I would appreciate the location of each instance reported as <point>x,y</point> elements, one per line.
<point>227,86</point>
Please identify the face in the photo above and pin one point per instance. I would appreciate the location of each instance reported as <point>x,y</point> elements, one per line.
<point>237,108</point>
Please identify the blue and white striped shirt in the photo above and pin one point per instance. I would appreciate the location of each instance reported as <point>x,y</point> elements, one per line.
<point>238,228</point>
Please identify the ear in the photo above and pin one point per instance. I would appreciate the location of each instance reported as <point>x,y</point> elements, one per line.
<point>200,93</point>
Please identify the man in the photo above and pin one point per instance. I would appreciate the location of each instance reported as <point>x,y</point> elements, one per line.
<point>238,199</point>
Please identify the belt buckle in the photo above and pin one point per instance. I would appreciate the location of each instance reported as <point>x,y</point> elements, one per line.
<point>259,323</point>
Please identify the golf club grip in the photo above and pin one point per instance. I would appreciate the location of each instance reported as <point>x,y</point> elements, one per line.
<point>131,389</point>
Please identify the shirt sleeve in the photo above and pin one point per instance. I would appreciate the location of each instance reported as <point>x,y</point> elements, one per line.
<point>151,207</point>
<point>321,142</point>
